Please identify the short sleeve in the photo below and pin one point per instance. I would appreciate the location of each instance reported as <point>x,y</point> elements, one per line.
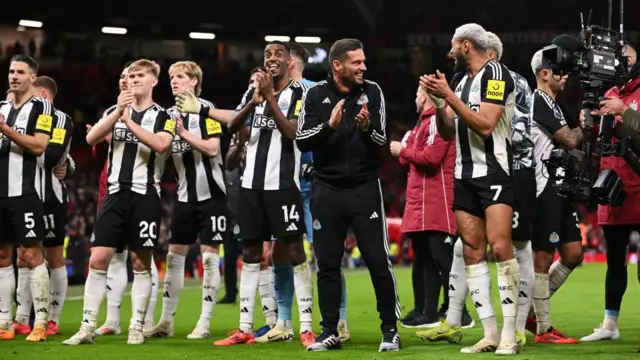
<point>42,116</point>
<point>62,130</point>
<point>296,102</point>
<point>246,98</point>
<point>496,84</point>
<point>545,115</point>
<point>167,123</point>
<point>210,128</point>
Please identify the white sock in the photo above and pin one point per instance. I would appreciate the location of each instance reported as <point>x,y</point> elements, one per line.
<point>285,324</point>
<point>40,290</point>
<point>508,288</point>
<point>7,289</point>
<point>210,286</point>
<point>249,280</point>
<point>94,291</point>
<point>524,256</point>
<point>59,285</point>
<point>23,296</point>
<point>479,281</point>
<point>558,274</point>
<point>117,279</point>
<point>458,287</point>
<point>541,302</point>
<point>304,291</point>
<point>610,322</point>
<point>151,310</point>
<point>140,295</point>
<point>267,296</point>
<point>173,284</point>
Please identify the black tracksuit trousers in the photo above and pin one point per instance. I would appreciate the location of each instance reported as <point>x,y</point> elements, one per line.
<point>362,209</point>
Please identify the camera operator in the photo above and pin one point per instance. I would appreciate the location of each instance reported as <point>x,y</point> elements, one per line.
<point>556,219</point>
<point>618,222</point>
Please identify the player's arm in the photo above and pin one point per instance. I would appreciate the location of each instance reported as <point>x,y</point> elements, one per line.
<point>236,151</point>
<point>543,114</point>
<point>246,107</point>
<point>158,141</point>
<point>71,167</point>
<point>209,144</point>
<point>286,126</point>
<point>377,117</point>
<point>495,87</point>
<point>221,115</point>
<point>312,131</point>
<point>104,127</point>
<point>445,122</point>
<point>42,121</point>
<point>60,139</point>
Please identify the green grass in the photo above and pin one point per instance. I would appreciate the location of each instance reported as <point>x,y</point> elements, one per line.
<point>576,309</point>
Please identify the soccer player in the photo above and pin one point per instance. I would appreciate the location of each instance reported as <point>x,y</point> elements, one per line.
<point>142,133</point>
<point>26,123</point>
<point>556,219</point>
<point>479,114</point>
<point>270,193</point>
<point>54,194</point>
<point>117,275</point>
<point>201,209</point>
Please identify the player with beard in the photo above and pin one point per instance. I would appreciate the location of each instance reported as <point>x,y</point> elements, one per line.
<point>556,220</point>
<point>142,133</point>
<point>25,129</point>
<point>117,274</point>
<point>270,190</point>
<point>479,114</point>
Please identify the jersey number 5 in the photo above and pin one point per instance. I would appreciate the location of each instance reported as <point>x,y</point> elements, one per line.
<point>290,213</point>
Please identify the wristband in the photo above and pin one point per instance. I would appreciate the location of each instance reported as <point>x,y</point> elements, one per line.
<point>437,102</point>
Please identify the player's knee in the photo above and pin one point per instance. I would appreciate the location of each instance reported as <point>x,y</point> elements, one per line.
<point>54,257</point>
<point>542,261</point>
<point>472,256</point>
<point>572,260</point>
<point>253,254</point>
<point>33,257</point>
<point>6,257</point>
<point>297,255</point>
<point>179,249</point>
<point>99,259</point>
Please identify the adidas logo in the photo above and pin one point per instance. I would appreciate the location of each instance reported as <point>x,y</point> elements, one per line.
<point>307,311</point>
<point>208,298</point>
<point>374,215</point>
<point>31,234</point>
<point>326,101</point>
<point>292,227</point>
<point>55,303</point>
<point>218,237</point>
<point>50,235</point>
<point>452,288</point>
<point>148,243</point>
<point>244,310</point>
<point>523,294</point>
<point>108,288</point>
<point>265,308</point>
<point>42,310</point>
<point>477,305</point>
<point>507,301</point>
<point>166,294</point>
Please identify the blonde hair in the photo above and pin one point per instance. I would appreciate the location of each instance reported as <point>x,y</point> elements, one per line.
<point>192,70</point>
<point>144,64</point>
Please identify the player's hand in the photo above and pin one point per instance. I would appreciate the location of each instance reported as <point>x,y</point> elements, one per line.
<point>257,95</point>
<point>188,103</point>
<point>437,85</point>
<point>613,106</point>
<point>3,124</point>
<point>362,119</point>
<point>265,83</point>
<point>179,126</point>
<point>424,83</point>
<point>60,171</point>
<point>125,99</point>
<point>89,127</point>
<point>336,114</point>
<point>396,147</point>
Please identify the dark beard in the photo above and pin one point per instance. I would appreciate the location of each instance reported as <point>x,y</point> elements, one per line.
<point>460,64</point>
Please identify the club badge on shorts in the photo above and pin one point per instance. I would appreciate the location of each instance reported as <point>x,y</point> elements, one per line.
<point>316,225</point>
<point>554,238</point>
<point>236,229</point>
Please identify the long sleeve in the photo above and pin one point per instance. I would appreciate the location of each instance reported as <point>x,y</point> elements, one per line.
<point>312,131</point>
<point>430,154</point>
<point>409,143</point>
<point>377,116</point>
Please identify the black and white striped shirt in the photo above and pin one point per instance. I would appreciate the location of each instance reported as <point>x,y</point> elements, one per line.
<point>521,139</point>
<point>132,164</point>
<point>54,189</point>
<point>477,156</point>
<point>199,177</point>
<point>19,170</point>
<point>273,161</point>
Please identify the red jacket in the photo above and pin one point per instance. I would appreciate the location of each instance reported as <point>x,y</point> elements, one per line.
<point>100,152</point>
<point>429,195</point>
<point>629,212</point>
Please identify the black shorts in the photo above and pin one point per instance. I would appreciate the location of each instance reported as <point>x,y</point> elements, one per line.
<point>556,221</point>
<point>475,195</point>
<point>524,210</point>
<point>55,222</point>
<point>128,218</point>
<point>205,220</point>
<point>263,214</point>
<point>21,219</point>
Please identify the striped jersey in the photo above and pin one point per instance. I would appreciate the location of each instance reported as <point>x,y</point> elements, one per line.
<point>54,189</point>
<point>521,139</point>
<point>272,161</point>
<point>477,156</point>
<point>546,118</point>
<point>199,177</point>
<point>130,163</point>
<point>19,170</point>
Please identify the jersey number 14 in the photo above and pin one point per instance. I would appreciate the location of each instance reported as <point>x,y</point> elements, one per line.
<point>290,213</point>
